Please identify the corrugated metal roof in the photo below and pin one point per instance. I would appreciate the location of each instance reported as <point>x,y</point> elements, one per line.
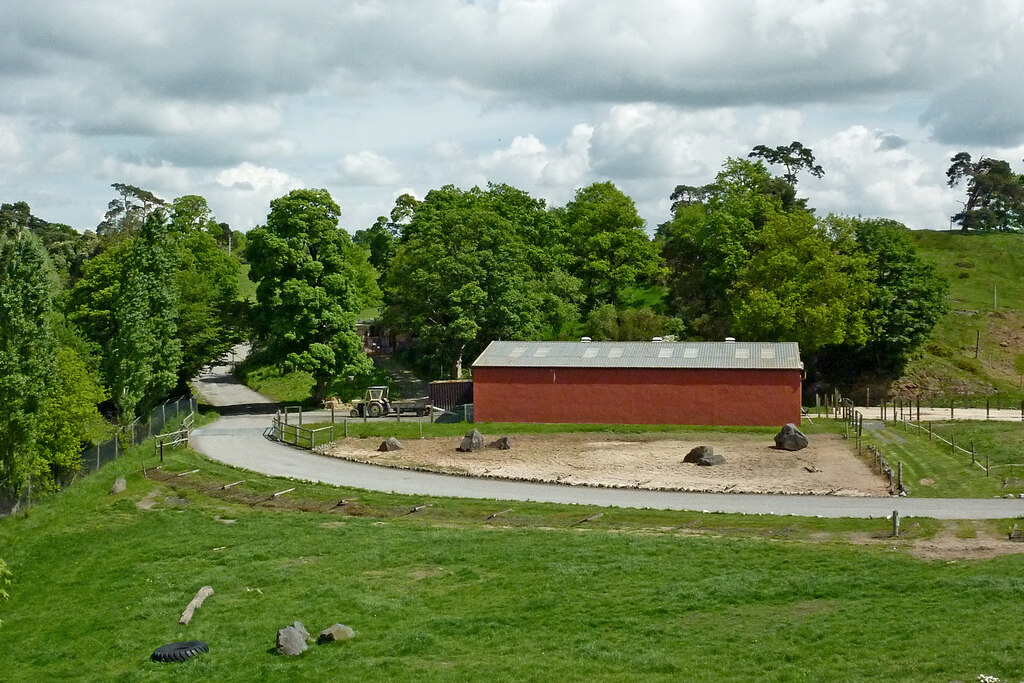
<point>702,355</point>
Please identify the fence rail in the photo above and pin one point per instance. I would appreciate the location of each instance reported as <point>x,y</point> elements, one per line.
<point>95,457</point>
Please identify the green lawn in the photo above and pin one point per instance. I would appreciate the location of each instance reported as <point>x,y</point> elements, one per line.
<point>442,594</point>
<point>952,472</point>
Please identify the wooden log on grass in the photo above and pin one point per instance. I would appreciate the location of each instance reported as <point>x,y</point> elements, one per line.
<point>587,519</point>
<point>498,513</point>
<point>234,483</point>
<point>182,474</point>
<point>281,493</point>
<point>197,601</point>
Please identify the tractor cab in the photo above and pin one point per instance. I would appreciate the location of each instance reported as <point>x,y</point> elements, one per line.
<point>374,403</point>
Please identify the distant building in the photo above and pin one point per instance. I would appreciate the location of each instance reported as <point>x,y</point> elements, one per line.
<point>691,383</point>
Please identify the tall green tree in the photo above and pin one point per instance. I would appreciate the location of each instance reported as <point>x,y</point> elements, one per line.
<point>995,194</point>
<point>908,298</point>
<point>477,265</point>
<point>128,212</point>
<point>308,287</point>
<point>743,265</point>
<point>145,351</point>
<point>26,350</point>
<point>610,249</point>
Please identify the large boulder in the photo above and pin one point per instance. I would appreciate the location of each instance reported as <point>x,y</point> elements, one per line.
<point>291,641</point>
<point>392,444</point>
<point>472,441</point>
<point>704,455</point>
<point>790,438</point>
<point>336,633</point>
<point>120,485</point>
<point>502,443</point>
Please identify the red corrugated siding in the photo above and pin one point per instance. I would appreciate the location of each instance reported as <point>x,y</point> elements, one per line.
<point>627,396</point>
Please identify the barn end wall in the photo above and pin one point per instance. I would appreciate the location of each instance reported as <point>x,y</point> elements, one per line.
<point>637,396</point>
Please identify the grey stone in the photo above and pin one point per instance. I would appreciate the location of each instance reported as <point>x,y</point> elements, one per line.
<point>502,443</point>
<point>790,438</point>
<point>472,441</point>
<point>392,444</point>
<point>290,641</point>
<point>119,486</point>
<point>336,633</point>
<point>301,629</point>
<point>704,455</point>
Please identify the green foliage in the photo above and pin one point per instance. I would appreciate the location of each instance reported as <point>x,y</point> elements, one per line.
<point>68,249</point>
<point>207,310</point>
<point>66,416</point>
<point>145,352</point>
<point>5,581</point>
<point>610,249</point>
<point>794,156</point>
<point>128,212</point>
<point>608,323</point>
<point>26,350</point>
<point>311,280</point>
<point>743,265</point>
<point>907,297</point>
<point>473,266</point>
<point>995,194</point>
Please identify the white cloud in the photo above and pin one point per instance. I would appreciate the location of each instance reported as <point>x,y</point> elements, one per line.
<point>367,168</point>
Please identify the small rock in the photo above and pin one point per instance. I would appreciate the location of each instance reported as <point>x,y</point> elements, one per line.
<point>392,444</point>
<point>705,456</point>
<point>502,443</point>
<point>790,438</point>
<point>290,641</point>
<point>472,441</point>
<point>336,633</point>
<point>119,486</point>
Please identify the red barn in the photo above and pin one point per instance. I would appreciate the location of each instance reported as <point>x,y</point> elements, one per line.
<point>692,383</point>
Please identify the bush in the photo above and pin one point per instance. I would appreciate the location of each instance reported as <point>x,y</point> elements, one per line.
<point>5,580</point>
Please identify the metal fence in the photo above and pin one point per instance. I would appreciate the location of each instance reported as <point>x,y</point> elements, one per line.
<point>95,457</point>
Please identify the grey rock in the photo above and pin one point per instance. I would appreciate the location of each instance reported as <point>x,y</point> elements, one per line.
<point>790,438</point>
<point>120,485</point>
<point>705,456</point>
<point>502,443</point>
<point>336,633</point>
<point>392,444</point>
<point>290,641</point>
<point>301,629</point>
<point>472,441</point>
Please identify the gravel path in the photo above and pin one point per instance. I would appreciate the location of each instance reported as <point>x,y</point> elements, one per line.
<point>237,439</point>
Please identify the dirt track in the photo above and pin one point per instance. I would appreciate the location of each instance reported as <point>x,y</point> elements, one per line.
<point>828,466</point>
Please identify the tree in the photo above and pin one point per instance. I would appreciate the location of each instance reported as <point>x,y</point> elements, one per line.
<point>907,297</point>
<point>145,351</point>
<point>67,413</point>
<point>794,156</point>
<point>995,194</point>
<point>308,288</point>
<point>608,244</point>
<point>744,265</point>
<point>26,350</point>
<point>608,323</point>
<point>68,249</point>
<point>477,265</point>
<point>127,214</point>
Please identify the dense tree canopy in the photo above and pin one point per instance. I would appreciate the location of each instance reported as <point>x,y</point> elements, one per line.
<point>311,282</point>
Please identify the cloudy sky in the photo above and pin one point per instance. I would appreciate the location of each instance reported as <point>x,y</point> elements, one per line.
<point>242,101</point>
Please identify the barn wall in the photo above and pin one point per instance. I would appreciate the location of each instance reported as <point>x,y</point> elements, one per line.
<point>637,396</point>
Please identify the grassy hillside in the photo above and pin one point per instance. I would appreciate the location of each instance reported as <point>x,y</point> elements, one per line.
<point>986,279</point>
<point>446,594</point>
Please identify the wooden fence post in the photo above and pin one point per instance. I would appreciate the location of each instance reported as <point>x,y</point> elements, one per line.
<point>899,476</point>
<point>986,408</point>
<point>950,409</point>
<point>895,522</point>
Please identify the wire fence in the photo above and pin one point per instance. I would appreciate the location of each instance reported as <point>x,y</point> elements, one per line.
<point>95,457</point>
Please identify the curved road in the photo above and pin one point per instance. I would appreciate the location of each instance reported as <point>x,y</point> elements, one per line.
<point>237,439</point>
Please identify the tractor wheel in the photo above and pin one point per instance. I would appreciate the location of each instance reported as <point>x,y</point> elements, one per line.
<point>354,412</point>
<point>374,410</point>
<point>179,652</point>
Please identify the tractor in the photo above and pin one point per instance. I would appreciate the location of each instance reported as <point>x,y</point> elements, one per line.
<point>376,403</point>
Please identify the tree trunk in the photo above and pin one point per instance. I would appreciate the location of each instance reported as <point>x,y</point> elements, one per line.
<point>320,391</point>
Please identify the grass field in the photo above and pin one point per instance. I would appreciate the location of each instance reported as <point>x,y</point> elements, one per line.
<point>951,472</point>
<point>443,594</point>
<point>986,278</point>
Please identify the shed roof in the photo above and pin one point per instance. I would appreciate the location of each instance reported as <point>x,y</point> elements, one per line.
<point>695,355</point>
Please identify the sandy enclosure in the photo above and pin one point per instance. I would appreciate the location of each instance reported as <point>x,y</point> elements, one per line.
<point>828,466</point>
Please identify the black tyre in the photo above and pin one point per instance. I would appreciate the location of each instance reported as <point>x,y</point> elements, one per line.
<point>374,410</point>
<point>180,651</point>
<point>354,412</point>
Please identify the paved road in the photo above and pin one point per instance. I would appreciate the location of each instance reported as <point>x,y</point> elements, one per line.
<point>237,439</point>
